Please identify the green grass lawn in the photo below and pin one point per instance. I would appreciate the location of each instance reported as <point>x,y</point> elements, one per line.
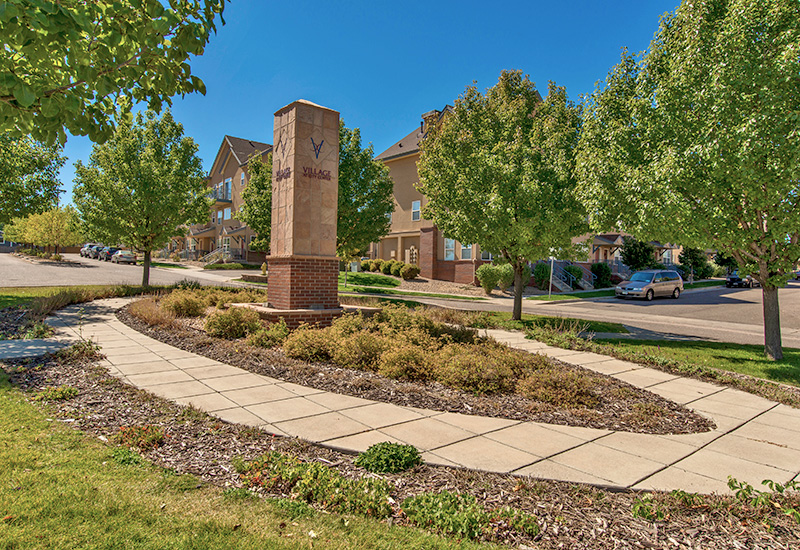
<point>62,489</point>
<point>739,358</point>
<point>610,292</point>
<point>503,318</point>
<point>368,279</point>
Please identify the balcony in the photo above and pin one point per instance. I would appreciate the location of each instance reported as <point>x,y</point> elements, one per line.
<point>221,196</point>
<point>203,230</point>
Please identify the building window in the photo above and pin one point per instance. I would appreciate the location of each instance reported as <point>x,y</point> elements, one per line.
<point>219,217</point>
<point>449,249</point>
<point>242,179</point>
<point>466,251</point>
<point>486,256</point>
<point>415,207</point>
<point>226,244</point>
<point>226,214</point>
<point>226,189</point>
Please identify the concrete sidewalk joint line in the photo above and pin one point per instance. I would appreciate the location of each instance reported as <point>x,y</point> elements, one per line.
<point>755,439</point>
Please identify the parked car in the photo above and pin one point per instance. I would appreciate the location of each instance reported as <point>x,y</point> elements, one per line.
<point>123,257</point>
<point>735,280</point>
<point>650,283</point>
<point>106,253</point>
<point>84,252</point>
<point>94,251</point>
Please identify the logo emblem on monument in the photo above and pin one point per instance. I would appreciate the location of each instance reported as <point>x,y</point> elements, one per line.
<point>317,148</point>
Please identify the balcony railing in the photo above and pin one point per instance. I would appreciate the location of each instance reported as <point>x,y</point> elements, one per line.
<point>221,195</point>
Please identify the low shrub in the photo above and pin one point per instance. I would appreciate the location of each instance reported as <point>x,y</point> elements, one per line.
<point>183,303</point>
<point>175,257</point>
<point>602,272</point>
<point>388,458</point>
<point>406,362</point>
<point>365,265</point>
<point>562,388</point>
<point>386,267</point>
<point>318,484</point>
<point>38,329</point>
<point>471,369</point>
<point>235,322</point>
<point>60,393</point>
<point>148,311</point>
<point>375,265</point>
<point>506,276</point>
<point>541,275</point>
<point>360,350</point>
<point>57,257</point>
<point>488,276</point>
<point>273,335</point>
<point>141,437</point>
<point>409,272</point>
<point>84,350</point>
<point>397,268</point>
<point>308,344</point>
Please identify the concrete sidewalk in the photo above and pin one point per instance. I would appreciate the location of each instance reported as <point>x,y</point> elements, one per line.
<point>755,439</point>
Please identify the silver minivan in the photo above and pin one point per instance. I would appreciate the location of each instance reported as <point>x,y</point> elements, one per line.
<point>650,283</point>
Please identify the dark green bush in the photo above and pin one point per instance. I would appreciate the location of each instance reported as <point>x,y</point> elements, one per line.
<point>506,279</point>
<point>409,271</point>
<point>236,322</point>
<point>365,265</point>
<point>397,268</point>
<point>602,271</point>
<point>576,272</point>
<point>375,265</point>
<point>386,267</point>
<point>541,275</point>
<point>389,458</point>
<point>488,276</point>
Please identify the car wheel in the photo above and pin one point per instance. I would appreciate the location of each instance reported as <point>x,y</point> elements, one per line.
<point>727,285</point>
<point>676,293</point>
<point>649,295</point>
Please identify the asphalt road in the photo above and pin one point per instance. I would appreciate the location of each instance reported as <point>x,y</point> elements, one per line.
<point>719,313</point>
<point>16,271</point>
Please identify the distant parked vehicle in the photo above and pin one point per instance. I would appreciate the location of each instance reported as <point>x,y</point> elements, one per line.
<point>84,252</point>
<point>650,283</point>
<point>106,253</point>
<point>94,251</point>
<point>735,280</point>
<point>123,257</point>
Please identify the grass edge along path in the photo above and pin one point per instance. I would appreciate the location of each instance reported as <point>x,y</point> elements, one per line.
<point>64,489</point>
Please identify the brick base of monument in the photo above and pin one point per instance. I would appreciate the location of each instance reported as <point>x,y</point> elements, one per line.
<point>296,282</point>
<point>295,317</point>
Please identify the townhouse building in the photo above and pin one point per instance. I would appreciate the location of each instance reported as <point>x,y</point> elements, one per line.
<point>226,180</point>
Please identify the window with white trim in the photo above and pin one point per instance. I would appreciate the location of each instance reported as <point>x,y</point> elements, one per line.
<point>415,211</point>
<point>226,244</point>
<point>486,256</point>
<point>219,217</point>
<point>449,249</point>
<point>466,251</point>
<point>242,180</point>
<point>226,215</point>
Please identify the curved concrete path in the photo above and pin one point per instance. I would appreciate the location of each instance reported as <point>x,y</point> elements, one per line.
<point>755,439</point>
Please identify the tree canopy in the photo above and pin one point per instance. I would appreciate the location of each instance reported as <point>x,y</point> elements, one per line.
<point>499,171</point>
<point>142,185</point>
<point>64,63</point>
<point>55,227</point>
<point>637,254</point>
<point>365,196</point>
<point>28,177</point>
<point>256,209</point>
<point>696,141</point>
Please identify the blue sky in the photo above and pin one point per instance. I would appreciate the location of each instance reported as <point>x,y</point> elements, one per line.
<point>382,64</point>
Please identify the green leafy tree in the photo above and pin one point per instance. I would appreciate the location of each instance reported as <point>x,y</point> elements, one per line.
<point>365,196</point>
<point>257,201</point>
<point>28,176</point>
<point>726,261</point>
<point>142,185</point>
<point>696,260</point>
<point>64,63</point>
<point>54,228</point>
<point>698,140</point>
<point>499,171</point>
<point>637,254</point>
<point>17,231</point>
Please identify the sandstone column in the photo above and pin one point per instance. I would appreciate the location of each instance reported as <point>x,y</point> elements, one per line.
<point>303,267</point>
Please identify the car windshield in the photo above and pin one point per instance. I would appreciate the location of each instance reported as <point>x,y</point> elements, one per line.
<point>642,277</point>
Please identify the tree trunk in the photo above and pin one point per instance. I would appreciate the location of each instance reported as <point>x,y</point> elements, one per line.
<point>146,269</point>
<point>519,286</point>
<point>772,323</point>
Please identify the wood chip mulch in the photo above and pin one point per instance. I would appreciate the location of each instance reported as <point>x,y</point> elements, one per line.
<point>571,516</point>
<point>622,407</point>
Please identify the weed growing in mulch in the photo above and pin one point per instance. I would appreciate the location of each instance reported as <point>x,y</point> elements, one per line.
<point>141,437</point>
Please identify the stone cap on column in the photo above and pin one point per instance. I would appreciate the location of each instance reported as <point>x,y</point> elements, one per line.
<point>304,102</point>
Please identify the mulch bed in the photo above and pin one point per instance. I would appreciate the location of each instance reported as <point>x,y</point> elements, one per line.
<point>623,407</point>
<point>571,516</point>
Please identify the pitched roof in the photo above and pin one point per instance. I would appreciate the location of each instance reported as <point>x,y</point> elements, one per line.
<point>410,143</point>
<point>243,149</point>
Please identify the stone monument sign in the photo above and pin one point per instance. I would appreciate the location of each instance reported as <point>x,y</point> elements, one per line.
<point>303,267</point>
